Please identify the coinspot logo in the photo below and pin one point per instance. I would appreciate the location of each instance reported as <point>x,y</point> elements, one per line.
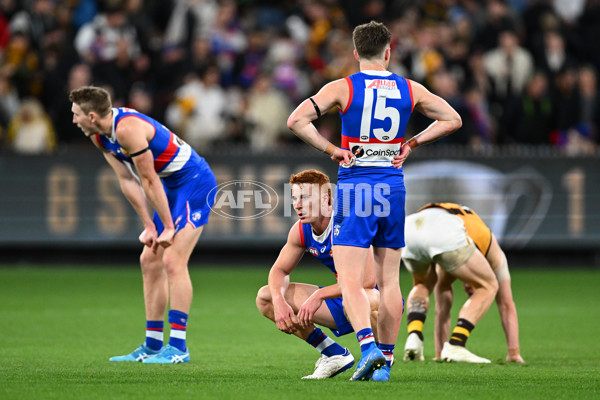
<point>244,199</point>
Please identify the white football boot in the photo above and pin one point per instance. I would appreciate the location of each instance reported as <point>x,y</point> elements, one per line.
<point>452,353</point>
<point>413,350</point>
<point>328,367</point>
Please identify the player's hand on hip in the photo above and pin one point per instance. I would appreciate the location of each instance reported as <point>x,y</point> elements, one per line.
<point>400,158</point>
<point>166,237</point>
<point>344,158</point>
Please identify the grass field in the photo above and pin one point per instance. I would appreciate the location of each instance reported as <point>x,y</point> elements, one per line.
<point>61,324</point>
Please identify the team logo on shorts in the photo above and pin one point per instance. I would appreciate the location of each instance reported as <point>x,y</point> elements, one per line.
<point>313,251</point>
<point>196,216</point>
<point>336,230</point>
<point>178,220</point>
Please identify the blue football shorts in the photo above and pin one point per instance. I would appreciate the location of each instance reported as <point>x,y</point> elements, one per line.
<point>337,311</point>
<point>190,202</point>
<point>369,214</point>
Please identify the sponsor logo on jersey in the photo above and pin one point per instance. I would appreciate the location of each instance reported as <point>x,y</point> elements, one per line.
<point>381,84</point>
<point>377,152</point>
<point>323,249</point>
<point>313,251</point>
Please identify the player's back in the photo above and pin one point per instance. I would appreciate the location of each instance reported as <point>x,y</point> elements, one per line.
<point>374,123</point>
<point>174,160</point>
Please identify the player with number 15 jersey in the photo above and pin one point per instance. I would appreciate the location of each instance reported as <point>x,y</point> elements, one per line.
<point>373,125</point>
<point>375,106</point>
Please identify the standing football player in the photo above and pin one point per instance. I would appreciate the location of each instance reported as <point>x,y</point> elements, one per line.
<point>176,183</point>
<point>374,105</point>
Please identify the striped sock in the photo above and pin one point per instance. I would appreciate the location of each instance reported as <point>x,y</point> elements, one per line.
<point>415,322</point>
<point>365,339</point>
<point>388,352</point>
<point>178,321</point>
<point>154,334</point>
<point>461,333</point>
<point>327,346</point>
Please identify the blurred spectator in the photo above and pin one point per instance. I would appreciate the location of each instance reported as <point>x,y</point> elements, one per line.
<point>22,64</point>
<point>109,43</point>
<point>100,40</point>
<point>426,59</point>
<point>228,40</point>
<point>553,56</point>
<point>197,112</point>
<point>9,102</point>
<point>4,32</point>
<point>266,114</point>
<point>566,99</point>
<point>498,18</point>
<point>190,19</point>
<point>249,64</point>
<point>509,66</point>
<point>60,109</point>
<point>140,99</point>
<point>285,57</point>
<point>531,120</point>
<point>569,10</point>
<point>30,131</point>
<point>589,100</point>
<point>34,21</point>
<point>477,120</point>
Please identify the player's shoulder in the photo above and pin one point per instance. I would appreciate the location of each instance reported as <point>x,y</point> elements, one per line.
<point>296,234</point>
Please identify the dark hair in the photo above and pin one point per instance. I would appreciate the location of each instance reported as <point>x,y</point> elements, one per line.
<point>371,39</point>
<point>312,176</point>
<point>92,98</point>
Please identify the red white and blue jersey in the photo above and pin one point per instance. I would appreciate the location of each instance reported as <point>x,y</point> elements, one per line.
<point>318,246</point>
<point>174,159</point>
<point>374,122</point>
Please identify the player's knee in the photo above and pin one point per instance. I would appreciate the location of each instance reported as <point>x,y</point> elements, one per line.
<point>174,264</point>
<point>150,261</point>
<point>263,299</point>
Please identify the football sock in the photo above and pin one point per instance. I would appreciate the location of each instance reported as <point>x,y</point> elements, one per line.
<point>461,333</point>
<point>178,321</point>
<point>388,352</point>
<point>327,346</point>
<point>365,339</point>
<point>154,334</point>
<point>415,322</point>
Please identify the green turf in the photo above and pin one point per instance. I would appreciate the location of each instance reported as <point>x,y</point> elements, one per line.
<point>60,326</point>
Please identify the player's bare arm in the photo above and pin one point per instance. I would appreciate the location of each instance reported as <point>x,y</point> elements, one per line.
<point>444,297</point>
<point>334,94</point>
<point>446,120</point>
<point>505,302</point>
<point>312,304</point>
<point>134,135</point>
<point>132,189</point>
<point>279,279</point>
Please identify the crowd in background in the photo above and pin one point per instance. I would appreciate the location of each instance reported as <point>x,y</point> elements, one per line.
<point>221,72</point>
